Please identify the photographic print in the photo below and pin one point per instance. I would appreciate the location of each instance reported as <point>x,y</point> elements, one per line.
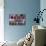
<point>17,19</point>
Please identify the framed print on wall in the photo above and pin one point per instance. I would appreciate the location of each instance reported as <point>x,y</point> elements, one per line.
<point>17,19</point>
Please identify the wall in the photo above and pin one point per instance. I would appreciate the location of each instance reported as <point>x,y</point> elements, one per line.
<point>28,7</point>
<point>43,6</point>
<point>1,21</point>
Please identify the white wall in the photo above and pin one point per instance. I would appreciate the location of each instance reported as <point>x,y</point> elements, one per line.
<point>1,21</point>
